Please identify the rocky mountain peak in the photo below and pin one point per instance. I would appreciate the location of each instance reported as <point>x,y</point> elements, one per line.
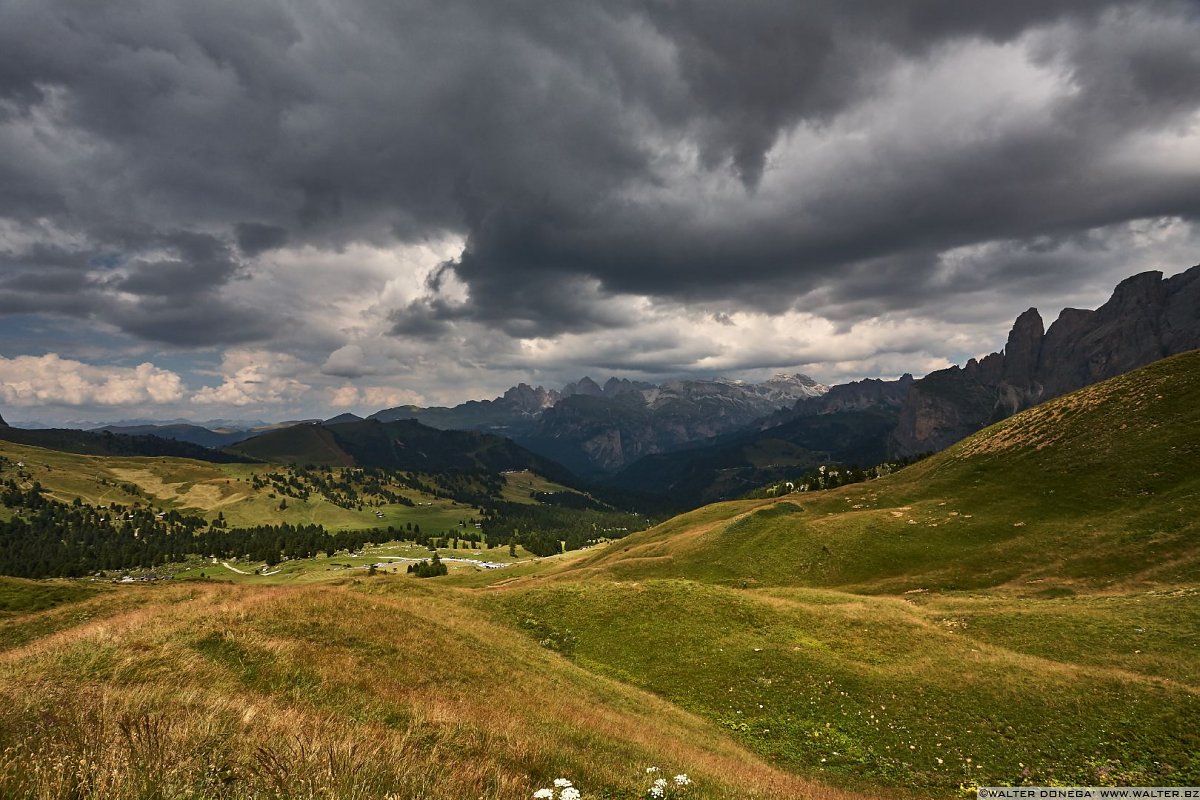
<point>1143,289</point>
<point>799,379</point>
<point>1145,319</point>
<point>529,399</point>
<point>1024,348</point>
<point>584,385</point>
<point>614,387</point>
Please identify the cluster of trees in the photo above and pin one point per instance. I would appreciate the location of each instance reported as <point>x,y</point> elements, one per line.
<point>51,539</point>
<point>428,569</point>
<point>543,530</point>
<point>356,487</point>
<point>831,476</point>
<point>348,487</point>
<point>475,487</point>
<point>567,500</point>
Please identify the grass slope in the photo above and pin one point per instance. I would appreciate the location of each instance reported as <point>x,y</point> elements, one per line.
<point>379,688</point>
<point>1021,609</point>
<point>208,489</point>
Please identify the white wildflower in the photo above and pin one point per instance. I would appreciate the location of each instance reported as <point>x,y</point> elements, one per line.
<point>682,780</point>
<point>544,794</point>
<point>569,793</point>
<point>656,792</point>
<point>562,783</point>
<point>655,769</point>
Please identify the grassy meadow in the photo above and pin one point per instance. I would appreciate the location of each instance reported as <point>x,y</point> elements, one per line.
<point>208,489</point>
<point>382,687</point>
<point>1021,609</point>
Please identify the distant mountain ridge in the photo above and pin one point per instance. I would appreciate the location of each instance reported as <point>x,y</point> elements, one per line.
<point>1146,319</point>
<point>400,444</point>
<point>107,443</point>
<point>593,428</point>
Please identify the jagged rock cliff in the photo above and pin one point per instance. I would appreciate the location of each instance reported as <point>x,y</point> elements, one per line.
<point>1147,318</point>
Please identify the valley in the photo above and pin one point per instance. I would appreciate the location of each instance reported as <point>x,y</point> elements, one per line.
<point>1020,609</point>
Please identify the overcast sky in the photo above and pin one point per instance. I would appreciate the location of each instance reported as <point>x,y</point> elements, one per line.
<point>225,208</point>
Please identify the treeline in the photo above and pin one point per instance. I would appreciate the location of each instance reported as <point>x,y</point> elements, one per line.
<point>542,529</point>
<point>51,539</point>
<point>567,500</point>
<point>359,487</point>
<point>831,476</point>
<point>347,487</point>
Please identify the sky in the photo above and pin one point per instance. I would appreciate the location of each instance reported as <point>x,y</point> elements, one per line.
<point>273,210</point>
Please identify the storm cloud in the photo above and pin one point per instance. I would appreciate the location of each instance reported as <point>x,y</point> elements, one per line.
<point>193,176</point>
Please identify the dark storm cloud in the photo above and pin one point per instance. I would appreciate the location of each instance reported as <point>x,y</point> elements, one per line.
<point>165,287</point>
<point>254,238</point>
<point>579,148</point>
<point>200,263</point>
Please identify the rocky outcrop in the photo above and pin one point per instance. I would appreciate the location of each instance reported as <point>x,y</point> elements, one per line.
<point>529,400</point>
<point>584,386</point>
<point>1147,318</point>
<point>871,393</point>
<point>3,424</point>
<point>627,420</point>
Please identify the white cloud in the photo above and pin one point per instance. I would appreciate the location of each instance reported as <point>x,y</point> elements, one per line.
<point>256,378</point>
<point>373,398</point>
<point>51,380</point>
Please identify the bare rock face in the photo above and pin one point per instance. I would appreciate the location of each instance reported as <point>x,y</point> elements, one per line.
<point>867,394</point>
<point>1147,318</point>
<point>530,400</point>
<point>3,424</point>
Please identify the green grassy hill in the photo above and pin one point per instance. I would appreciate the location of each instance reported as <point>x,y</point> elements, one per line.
<point>210,489</point>
<point>298,444</point>
<point>381,688</point>
<point>1023,608</point>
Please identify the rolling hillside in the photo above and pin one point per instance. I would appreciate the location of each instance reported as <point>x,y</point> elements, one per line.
<point>367,689</point>
<point>242,494</point>
<point>106,443</point>
<point>1021,609</point>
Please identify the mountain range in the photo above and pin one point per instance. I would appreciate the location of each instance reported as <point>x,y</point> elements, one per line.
<point>594,429</point>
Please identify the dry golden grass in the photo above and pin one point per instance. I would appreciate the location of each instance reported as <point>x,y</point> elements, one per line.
<point>380,689</point>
